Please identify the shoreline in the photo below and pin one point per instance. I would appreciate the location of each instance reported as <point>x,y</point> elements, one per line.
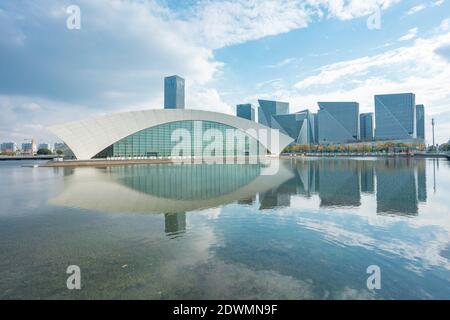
<point>230,160</point>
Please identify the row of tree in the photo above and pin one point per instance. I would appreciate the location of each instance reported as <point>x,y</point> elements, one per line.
<point>359,148</point>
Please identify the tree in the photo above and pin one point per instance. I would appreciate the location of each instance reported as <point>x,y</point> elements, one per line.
<point>43,151</point>
<point>60,152</point>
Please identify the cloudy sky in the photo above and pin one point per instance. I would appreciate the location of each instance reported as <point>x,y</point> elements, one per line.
<point>229,52</point>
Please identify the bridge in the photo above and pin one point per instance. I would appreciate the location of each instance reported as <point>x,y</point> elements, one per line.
<point>25,157</point>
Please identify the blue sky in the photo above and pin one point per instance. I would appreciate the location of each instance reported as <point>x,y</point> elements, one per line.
<point>231,51</point>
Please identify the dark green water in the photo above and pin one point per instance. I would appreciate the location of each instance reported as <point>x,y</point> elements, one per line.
<point>227,231</point>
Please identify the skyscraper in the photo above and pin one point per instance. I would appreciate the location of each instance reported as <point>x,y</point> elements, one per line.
<point>366,126</point>
<point>338,122</point>
<point>246,111</point>
<point>173,92</point>
<point>420,121</point>
<point>268,108</point>
<point>299,126</point>
<point>395,116</point>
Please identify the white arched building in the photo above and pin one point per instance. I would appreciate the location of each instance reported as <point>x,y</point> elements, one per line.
<point>149,133</point>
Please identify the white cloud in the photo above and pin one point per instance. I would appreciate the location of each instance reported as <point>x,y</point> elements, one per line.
<point>422,68</point>
<point>416,9</point>
<point>436,3</point>
<point>411,34</point>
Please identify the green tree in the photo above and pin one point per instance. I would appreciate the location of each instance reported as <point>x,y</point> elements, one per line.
<point>43,151</point>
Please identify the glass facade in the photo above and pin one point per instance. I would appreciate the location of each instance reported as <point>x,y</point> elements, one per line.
<point>338,122</point>
<point>366,126</point>
<point>245,111</point>
<point>185,138</point>
<point>420,121</point>
<point>173,92</point>
<point>299,126</point>
<point>395,116</point>
<point>268,108</point>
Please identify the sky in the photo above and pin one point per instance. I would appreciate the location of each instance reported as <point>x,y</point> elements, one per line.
<point>229,52</point>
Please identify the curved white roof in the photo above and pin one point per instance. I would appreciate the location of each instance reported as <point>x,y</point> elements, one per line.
<point>88,137</point>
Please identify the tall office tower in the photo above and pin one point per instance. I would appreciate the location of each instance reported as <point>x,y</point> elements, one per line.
<point>246,111</point>
<point>299,126</point>
<point>395,116</point>
<point>420,121</point>
<point>268,108</point>
<point>316,128</point>
<point>173,92</point>
<point>8,147</point>
<point>366,126</point>
<point>338,122</point>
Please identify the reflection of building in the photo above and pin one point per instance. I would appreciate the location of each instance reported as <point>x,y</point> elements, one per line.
<point>421,180</point>
<point>174,92</point>
<point>175,223</point>
<point>367,170</point>
<point>396,187</point>
<point>338,122</point>
<point>268,108</point>
<point>366,122</point>
<point>339,184</point>
<point>395,116</point>
<point>245,111</point>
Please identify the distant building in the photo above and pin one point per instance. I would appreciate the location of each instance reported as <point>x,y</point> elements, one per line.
<point>395,116</point>
<point>174,92</point>
<point>8,147</point>
<point>338,122</point>
<point>45,145</point>
<point>316,127</point>
<point>28,148</point>
<point>366,122</point>
<point>299,126</point>
<point>268,108</point>
<point>246,111</point>
<point>420,121</point>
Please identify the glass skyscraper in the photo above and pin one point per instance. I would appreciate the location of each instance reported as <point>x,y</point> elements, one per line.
<point>395,116</point>
<point>366,126</point>
<point>299,126</point>
<point>338,122</point>
<point>420,121</point>
<point>268,108</point>
<point>246,111</point>
<point>173,92</point>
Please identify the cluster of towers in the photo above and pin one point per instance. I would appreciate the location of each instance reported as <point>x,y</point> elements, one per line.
<point>397,118</point>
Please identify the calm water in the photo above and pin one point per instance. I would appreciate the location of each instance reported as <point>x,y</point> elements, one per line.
<point>227,231</point>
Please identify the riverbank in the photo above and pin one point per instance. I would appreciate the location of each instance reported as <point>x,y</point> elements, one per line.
<point>367,155</point>
<point>123,162</point>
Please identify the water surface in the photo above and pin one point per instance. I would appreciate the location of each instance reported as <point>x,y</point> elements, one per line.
<point>227,231</point>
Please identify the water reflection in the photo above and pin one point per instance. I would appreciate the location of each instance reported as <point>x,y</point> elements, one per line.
<point>397,184</point>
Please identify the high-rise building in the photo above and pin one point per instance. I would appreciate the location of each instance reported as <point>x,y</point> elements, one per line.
<point>268,108</point>
<point>246,111</point>
<point>420,121</point>
<point>316,127</point>
<point>395,116</point>
<point>366,126</point>
<point>28,148</point>
<point>173,92</point>
<point>338,122</point>
<point>299,126</point>
<point>8,147</point>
